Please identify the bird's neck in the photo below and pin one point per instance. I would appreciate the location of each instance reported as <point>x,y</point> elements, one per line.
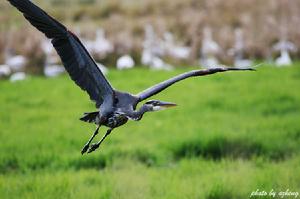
<point>138,115</point>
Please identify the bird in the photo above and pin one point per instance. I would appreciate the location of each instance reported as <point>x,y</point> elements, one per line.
<point>4,70</point>
<point>125,62</point>
<point>114,107</point>
<point>209,49</point>
<point>101,45</point>
<point>284,59</point>
<point>173,50</point>
<point>284,46</point>
<point>51,66</point>
<point>153,50</point>
<point>53,70</point>
<point>16,62</point>
<point>238,50</point>
<point>158,64</point>
<point>18,76</point>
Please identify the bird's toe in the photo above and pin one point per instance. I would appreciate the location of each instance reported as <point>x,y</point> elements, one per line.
<point>93,147</point>
<point>85,148</point>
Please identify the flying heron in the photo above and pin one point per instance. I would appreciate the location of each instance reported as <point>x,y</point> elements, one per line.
<point>114,108</point>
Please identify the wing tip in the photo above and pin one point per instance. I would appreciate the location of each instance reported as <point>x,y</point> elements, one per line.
<point>249,69</point>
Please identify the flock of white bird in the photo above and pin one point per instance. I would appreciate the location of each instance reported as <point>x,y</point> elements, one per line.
<point>154,50</point>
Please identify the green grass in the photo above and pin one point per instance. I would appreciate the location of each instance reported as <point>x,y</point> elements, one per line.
<point>231,134</point>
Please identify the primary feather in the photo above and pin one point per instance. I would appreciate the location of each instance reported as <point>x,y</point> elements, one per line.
<point>76,59</point>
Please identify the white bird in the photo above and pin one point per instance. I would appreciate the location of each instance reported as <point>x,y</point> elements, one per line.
<point>147,57</point>
<point>51,56</point>
<point>209,50</point>
<point>15,62</point>
<point>173,50</point>
<point>125,62</point>
<point>159,64</point>
<point>4,70</point>
<point>209,62</point>
<point>53,70</point>
<point>154,62</point>
<point>238,50</point>
<point>242,63</point>
<point>283,44</point>
<point>152,43</point>
<point>19,76</point>
<point>284,59</point>
<point>47,46</point>
<point>101,45</point>
<point>51,66</point>
<point>284,47</point>
<point>153,49</point>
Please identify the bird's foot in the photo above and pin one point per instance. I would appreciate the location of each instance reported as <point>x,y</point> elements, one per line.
<point>84,149</point>
<point>93,147</point>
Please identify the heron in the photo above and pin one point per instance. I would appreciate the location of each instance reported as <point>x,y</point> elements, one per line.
<point>114,107</point>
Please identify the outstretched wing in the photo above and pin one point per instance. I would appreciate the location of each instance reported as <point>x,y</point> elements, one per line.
<point>163,85</point>
<point>76,59</point>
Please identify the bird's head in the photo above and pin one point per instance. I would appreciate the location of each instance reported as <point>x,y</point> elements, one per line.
<point>156,105</point>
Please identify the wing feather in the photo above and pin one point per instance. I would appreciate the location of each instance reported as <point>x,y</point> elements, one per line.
<point>79,64</point>
<point>165,84</point>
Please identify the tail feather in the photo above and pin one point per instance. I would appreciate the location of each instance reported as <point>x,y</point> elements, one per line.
<point>89,117</point>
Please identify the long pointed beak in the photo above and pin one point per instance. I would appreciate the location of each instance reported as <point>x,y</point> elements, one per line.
<point>167,104</point>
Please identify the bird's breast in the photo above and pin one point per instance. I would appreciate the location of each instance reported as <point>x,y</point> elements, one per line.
<point>116,120</point>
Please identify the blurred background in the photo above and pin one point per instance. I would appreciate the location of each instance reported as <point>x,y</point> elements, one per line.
<point>176,32</point>
<point>232,134</point>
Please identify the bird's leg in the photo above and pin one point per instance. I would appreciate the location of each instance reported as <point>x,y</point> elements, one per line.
<point>87,145</point>
<point>96,145</point>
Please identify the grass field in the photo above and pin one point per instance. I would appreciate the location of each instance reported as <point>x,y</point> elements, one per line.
<point>231,134</point>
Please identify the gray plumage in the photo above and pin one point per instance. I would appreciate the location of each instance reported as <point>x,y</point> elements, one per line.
<point>115,108</point>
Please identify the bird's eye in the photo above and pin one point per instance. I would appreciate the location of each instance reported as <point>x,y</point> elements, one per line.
<point>150,102</point>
